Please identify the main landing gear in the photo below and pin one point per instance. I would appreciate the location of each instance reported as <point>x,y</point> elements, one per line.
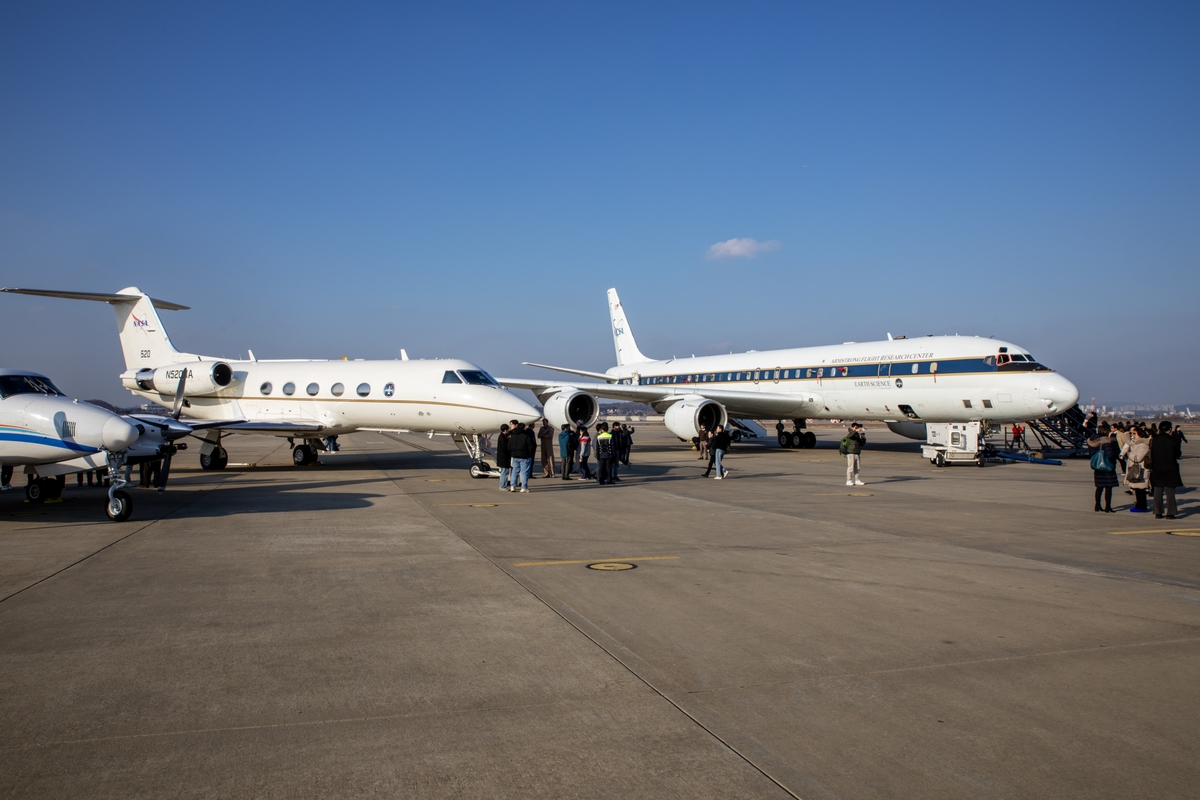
<point>41,490</point>
<point>800,438</point>
<point>215,460</point>
<point>307,453</point>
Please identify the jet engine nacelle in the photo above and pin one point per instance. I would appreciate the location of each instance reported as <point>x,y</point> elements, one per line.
<point>203,378</point>
<point>571,406</point>
<point>911,430</point>
<point>684,417</point>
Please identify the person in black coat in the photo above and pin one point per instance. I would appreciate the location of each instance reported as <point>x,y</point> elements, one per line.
<point>1165,452</point>
<point>1105,479</point>
<point>503,458</point>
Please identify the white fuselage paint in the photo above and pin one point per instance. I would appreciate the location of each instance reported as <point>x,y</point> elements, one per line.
<point>417,399</point>
<point>38,429</point>
<point>878,379</point>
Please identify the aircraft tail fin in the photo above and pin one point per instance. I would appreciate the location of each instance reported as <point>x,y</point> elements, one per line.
<point>144,341</point>
<point>623,341</point>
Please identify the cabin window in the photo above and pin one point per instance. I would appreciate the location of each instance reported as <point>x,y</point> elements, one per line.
<point>966,404</point>
<point>451,377</point>
<point>265,388</point>
<point>915,368</point>
<point>312,389</point>
<point>289,388</point>
<point>337,389</point>
<point>363,389</point>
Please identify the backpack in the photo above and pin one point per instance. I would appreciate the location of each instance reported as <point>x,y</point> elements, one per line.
<point>846,445</point>
<point>1101,462</point>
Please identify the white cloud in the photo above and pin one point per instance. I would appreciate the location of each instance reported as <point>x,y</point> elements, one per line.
<point>741,248</point>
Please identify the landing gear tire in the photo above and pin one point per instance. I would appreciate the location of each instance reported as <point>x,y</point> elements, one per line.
<point>785,439</point>
<point>119,507</point>
<point>217,459</point>
<point>54,487</point>
<point>480,471</point>
<point>35,491</point>
<point>303,455</point>
<point>810,440</point>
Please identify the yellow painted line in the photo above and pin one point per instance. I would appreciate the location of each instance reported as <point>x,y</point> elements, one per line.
<point>844,494</point>
<point>481,505</point>
<point>1183,532</point>
<point>590,561</point>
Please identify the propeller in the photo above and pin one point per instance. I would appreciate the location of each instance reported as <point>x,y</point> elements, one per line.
<point>172,432</point>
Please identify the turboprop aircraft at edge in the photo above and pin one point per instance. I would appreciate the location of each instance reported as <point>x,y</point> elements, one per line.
<point>306,399</point>
<point>904,382</point>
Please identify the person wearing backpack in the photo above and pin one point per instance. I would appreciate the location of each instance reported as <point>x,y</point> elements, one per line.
<point>1137,476</point>
<point>1103,448</point>
<point>851,447</point>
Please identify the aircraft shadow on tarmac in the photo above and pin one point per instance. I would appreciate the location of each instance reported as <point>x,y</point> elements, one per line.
<point>284,497</point>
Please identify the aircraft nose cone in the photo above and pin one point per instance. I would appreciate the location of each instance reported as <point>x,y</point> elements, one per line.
<point>117,434</point>
<point>518,409</point>
<point>1057,392</point>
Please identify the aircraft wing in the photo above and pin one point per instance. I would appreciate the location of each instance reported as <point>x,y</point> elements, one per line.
<point>738,403</point>
<point>254,426</point>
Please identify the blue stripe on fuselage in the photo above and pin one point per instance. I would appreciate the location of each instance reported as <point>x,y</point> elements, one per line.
<point>47,441</point>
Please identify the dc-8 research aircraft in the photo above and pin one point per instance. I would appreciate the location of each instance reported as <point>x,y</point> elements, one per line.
<point>303,399</point>
<point>905,382</point>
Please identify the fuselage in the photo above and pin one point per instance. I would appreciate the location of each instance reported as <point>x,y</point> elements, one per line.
<point>46,427</point>
<point>932,379</point>
<point>441,395</point>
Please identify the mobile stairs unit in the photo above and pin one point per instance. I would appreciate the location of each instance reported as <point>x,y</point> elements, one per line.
<point>1061,434</point>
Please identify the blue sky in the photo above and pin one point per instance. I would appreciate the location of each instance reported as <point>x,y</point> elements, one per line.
<point>467,180</point>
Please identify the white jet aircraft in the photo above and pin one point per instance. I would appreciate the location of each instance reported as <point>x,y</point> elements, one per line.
<point>305,399</point>
<point>52,435</point>
<point>905,382</point>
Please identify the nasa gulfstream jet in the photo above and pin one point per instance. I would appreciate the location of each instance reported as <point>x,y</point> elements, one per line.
<point>905,382</point>
<point>303,399</point>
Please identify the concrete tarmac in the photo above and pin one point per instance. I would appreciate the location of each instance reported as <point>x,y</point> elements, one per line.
<point>383,625</point>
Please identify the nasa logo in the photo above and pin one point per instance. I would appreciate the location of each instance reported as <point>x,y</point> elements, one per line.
<point>389,389</point>
<point>140,323</point>
<point>899,383</point>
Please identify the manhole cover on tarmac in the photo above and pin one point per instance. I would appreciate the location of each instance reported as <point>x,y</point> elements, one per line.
<point>611,566</point>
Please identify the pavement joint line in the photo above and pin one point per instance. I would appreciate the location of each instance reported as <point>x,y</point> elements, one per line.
<point>760,769</point>
<point>589,561</point>
<point>279,725</point>
<point>949,664</point>
<point>147,524</point>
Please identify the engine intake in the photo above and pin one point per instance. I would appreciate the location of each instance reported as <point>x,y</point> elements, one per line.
<point>684,418</point>
<point>203,378</point>
<point>571,406</point>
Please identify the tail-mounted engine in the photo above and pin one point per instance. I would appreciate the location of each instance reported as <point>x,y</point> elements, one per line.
<point>684,417</point>
<point>203,378</point>
<point>571,406</point>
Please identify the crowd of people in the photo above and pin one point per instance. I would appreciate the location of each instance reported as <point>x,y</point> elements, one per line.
<point>517,444</point>
<point>1144,457</point>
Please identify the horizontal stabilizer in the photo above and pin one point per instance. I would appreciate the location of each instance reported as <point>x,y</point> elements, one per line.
<point>102,298</point>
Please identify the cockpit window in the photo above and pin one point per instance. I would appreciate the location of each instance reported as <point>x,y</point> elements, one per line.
<point>26,384</point>
<point>1019,357</point>
<point>478,377</point>
<point>451,377</point>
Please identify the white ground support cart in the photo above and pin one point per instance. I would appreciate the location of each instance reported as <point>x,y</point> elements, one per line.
<point>956,443</point>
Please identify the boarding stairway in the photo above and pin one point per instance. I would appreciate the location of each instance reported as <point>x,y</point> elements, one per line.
<point>1061,433</point>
